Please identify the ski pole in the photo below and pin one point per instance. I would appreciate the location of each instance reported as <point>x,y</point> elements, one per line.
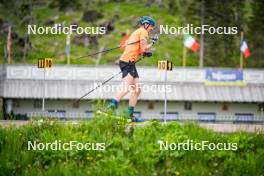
<point>97,87</point>
<point>109,79</point>
<point>153,39</point>
<point>106,50</point>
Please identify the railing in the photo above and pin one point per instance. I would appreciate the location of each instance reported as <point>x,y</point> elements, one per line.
<point>213,118</point>
<point>150,116</point>
<point>66,115</point>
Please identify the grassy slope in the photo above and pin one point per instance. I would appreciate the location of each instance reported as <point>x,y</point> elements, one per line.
<point>168,47</point>
<point>134,153</point>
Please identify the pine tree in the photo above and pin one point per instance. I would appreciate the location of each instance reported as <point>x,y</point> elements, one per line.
<point>256,34</point>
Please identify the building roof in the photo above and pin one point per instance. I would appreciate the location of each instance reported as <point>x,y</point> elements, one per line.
<point>71,82</point>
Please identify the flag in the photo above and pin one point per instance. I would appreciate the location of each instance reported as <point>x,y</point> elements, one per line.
<point>244,49</point>
<point>191,43</point>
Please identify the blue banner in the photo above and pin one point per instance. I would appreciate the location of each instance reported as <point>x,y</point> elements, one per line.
<point>224,77</point>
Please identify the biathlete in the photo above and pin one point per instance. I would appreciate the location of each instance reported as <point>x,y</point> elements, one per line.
<point>130,78</point>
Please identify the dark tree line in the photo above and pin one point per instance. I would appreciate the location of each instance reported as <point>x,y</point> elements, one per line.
<point>223,50</point>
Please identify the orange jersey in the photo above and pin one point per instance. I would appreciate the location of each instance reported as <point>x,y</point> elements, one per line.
<point>122,43</point>
<point>132,51</point>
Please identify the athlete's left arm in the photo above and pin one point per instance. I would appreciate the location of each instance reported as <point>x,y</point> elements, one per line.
<point>144,46</point>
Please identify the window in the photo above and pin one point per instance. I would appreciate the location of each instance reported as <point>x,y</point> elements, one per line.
<point>37,103</point>
<point>52,113</point>
<point>188,106</point>
<point>16,103</point>
<point>261,107</point>
<point>89,114</point>
<point>150,105</point>
<point>244,117</point>
<point>224,107</point>
<point>137,114</point>
<point>170,116</point>
<point>57,113</point>
<point>207,116</point>
<point>61,114</point>
<point>76,105</point>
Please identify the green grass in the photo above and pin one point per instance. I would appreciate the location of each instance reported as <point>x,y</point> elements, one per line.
<point>128,152</point>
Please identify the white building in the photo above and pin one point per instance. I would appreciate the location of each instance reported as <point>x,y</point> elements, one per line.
<point>189,97</point>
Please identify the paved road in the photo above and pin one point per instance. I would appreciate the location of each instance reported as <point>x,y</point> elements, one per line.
<point>217,127</point>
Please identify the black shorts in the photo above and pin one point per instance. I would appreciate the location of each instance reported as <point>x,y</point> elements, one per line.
<point>128,67</point>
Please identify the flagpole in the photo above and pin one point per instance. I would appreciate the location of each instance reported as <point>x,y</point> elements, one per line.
<point>68,48</point>
<point>241,54</point>
<point>184,52</point>
<point>9,45</point>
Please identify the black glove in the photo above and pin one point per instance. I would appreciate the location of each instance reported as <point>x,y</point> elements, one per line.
<point>154,39</point>
<point>147,54</point>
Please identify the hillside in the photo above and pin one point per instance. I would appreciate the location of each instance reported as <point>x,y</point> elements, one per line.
<point>119,17</point>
